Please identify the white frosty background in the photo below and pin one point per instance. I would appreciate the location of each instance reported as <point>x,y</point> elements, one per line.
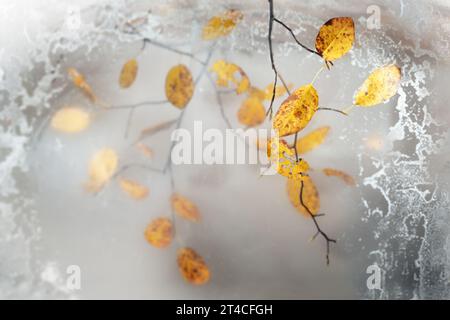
<point>254,242</point>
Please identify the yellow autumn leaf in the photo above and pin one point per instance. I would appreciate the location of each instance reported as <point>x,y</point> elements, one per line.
<point>222,25</point>
<point>252,112</point>
<point>296,111</point>
<point>380,86</point>
<point>348,179</point>
<point>312,140</point>
<point>133,189</point>
<point>279,91</point>
<point>179,86</point>
<point>70,119</point>
<point>310,195</point>
<point>283,157</point>
<point>159,233</point>
<point>185,208</point>
<point>128,73</point>
<point>231,73</point>
<point>192,266</point>
<point>335,38</point>
<point>80,82</point>
<point>102,167</point>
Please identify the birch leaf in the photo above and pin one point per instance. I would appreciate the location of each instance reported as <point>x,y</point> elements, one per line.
<point>128,73</point>
<point>380,86</point>
<point>79,81</point>
<point>312,140</point>
<point>159,233</point>
<point>70,119</point>
<point>179,86</point>
<point>192,266</point>
<point>222,25</point>
<point>133,189</point>
<point>296,111</point>
<point>279,91</point>
<point>286,163</point>
<point>185,208</point>
<point>335,38</point>
<point>252,112</point>
<point>101,168</point>
<point>310,195</point>
<point>348,179</point>
<point>228,73</point>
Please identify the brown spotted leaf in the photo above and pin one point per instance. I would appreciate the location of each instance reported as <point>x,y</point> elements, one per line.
<point>128,73</point>
<point>283,157</point>
<point>348,179</point>
<point>310,195</point>
<point>296,111</point>
<point>133,189</point>
<point>192,266</point>
<point>179,86</point>
<point>185,208</point>
<point>312,140</point>
<point>380,86</point>
<point>335,38</point>
<point>159,233</point>
<point>221,25</point>
<point>70,120</point>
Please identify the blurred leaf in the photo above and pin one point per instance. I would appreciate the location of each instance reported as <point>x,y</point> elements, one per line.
<point>312,140</point>
<point>102,167</point>
<point>335,38</point>
<point>133,189</point>
<point>79,81</point>
<point>219,26</point>
<point>348,179</point>
<point>279,91</point>
<point>146,150</point>
<point>192,266</point>
<point>179,86</point>
<point>156,128</point>
<point>380,86</point>
<point>231,73</point>
<point>296,111</point>
<point>159,233</point>
<point>310,195</point>
<point>128,73</point>
<point>70,119</point>
<point>185,208</point>
<point>252,112</point>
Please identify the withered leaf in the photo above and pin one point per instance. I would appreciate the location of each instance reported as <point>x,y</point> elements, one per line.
<point>335,38</point>
<point>380,86</point>
<point>296,111</point>
<point>70,119</point>
<point>102,167</point>
<point>128,73</point>
<point>185,208</point>
<point>133,189</point>
<point>79,81</point>
<point>156,128</point>
<point>310,195</point>
<point>192,266</point>
<point>348,179</point>
<point>179,86</point>
<point>159,233</point>
<point>222,25</point>
<point>283,157</point>
<point>252,112</point>
<point>312,140</point>
<point>231,73</point>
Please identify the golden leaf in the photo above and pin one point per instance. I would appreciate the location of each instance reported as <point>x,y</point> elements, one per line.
<point>380,86</point>
<point>296,111</point>
<point>133,189</point>
<point>310,195</point>
<point>179,86</point>
<point>348,179</point>
<point>70,119</point>
<point>185,208</point>
<point>146,150</point>
<point>252,112</point>
<point>159,233</point>
<point>79,81</point>
<point>286,163</point>
<point>229,72</point>
<point>128,73</point>
<point>219,26</point>
<point>335,38</point>
<point>192,266</point>
<point>101,168</point>
<point>312,140</point>
<point>279,91</point>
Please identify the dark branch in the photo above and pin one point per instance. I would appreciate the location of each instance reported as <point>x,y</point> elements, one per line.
<point>335,110</point>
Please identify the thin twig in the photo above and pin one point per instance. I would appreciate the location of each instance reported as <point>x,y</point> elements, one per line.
<point>332,109</point>
<point>271,19</point>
